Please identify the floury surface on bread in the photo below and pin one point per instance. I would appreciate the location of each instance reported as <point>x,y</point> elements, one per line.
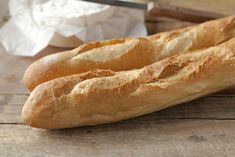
<point>127,54</point>
<point>104,96</point>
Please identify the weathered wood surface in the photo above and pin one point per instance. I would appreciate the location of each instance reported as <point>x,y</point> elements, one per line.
<point>202,127</point>
<point>12,69</point>
<point>159,24</point>
<point>167,138</point>
<point>219,6</point>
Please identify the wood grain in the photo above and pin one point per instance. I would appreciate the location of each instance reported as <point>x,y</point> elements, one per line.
<point>12,69</point>
<point>159,24</point>
<point>222,6</point>
<point>194,138</point>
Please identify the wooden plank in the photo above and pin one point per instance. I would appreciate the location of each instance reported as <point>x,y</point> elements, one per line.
<point>10,108</point>
<point>179,138</point>
<point>12,69</point>
<point>159,24</point>
<point>210,107</point>
<point>224,6</point>
<point>163,24</point>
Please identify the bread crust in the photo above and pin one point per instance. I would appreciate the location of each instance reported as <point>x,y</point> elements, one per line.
<point>105,96</point>
<point>127,54</point>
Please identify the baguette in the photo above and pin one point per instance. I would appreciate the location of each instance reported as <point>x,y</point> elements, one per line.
<point>105,96</point>
<point>127,54</point>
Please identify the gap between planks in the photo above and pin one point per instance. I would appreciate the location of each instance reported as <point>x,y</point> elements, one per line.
<point>137,120</point>
<point>177,138</point>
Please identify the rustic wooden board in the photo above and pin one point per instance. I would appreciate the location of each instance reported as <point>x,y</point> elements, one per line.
<point>222,6</point>
<point>159,24</point>
<point>194,138</point>
<point>12,69</point>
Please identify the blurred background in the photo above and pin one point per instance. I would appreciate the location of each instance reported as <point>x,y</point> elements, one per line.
<point>223,6</point>
<point>153,24</point>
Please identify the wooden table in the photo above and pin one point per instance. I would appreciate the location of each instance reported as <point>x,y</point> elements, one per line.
<point>204,127</point>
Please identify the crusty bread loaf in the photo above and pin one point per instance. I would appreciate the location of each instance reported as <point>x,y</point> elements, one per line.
<point>104,96</point>
<point>126,54</point>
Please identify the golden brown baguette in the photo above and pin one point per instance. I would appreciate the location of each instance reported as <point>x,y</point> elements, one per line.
<point>127,54</point>
<point>104,96</point>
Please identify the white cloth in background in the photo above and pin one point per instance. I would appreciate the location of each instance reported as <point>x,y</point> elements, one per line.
<point>34,22</point>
